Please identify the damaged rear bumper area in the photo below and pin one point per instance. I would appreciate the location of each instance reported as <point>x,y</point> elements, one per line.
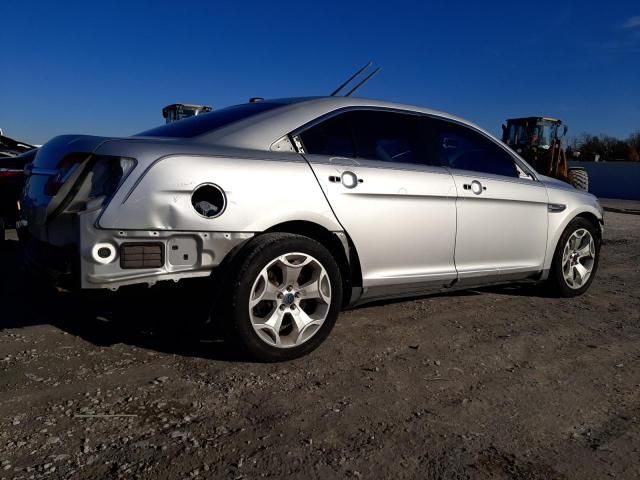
<point>111,259</point>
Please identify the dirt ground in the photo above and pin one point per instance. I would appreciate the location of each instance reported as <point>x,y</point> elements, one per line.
<point>501,383</point>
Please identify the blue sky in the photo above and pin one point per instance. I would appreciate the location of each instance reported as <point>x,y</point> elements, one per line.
<point>108,67</point>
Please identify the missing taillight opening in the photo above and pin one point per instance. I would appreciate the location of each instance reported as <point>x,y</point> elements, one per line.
<point>108,174</point>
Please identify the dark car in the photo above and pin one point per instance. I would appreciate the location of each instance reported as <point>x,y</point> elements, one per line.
<point>14,155</point>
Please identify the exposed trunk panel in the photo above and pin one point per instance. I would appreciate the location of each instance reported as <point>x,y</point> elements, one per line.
<point>51,177</point>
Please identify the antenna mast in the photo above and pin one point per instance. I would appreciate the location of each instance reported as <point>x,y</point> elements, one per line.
<point>364,80</point>
<point>352,77</point>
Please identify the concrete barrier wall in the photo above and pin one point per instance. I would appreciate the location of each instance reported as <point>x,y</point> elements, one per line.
<point>613,179</point>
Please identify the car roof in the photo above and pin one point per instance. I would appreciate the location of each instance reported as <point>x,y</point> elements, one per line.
<point>336,102</point>
<point>260,131</point>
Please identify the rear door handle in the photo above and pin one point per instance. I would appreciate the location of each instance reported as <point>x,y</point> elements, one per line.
<point>475,186</point>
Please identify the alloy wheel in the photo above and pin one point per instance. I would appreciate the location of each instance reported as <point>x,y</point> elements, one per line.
<point>290,300</point>
<point>578,258</point>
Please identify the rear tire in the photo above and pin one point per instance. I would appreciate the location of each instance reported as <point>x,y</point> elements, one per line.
<point>576,257</point>
<point>579,178</point>
<point>2,230</point>
<point>285,294</point>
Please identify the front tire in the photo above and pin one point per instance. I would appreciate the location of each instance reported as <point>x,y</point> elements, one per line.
<point>576,258</point>
<point>286,294</point>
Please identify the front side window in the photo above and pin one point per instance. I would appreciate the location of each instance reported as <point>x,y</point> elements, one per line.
<point>461,148</point>
<point>389,137</point>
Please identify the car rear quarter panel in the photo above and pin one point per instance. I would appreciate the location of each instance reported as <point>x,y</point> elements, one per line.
<point>260,193</point>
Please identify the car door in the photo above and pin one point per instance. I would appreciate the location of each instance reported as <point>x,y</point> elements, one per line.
<point>397,207</point>
<point>502,211</point>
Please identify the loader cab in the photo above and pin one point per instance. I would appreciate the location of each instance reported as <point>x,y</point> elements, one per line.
<point>178,111</point>
<point>540,132</point>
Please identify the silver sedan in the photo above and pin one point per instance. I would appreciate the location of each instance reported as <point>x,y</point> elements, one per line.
<point>298,208</point>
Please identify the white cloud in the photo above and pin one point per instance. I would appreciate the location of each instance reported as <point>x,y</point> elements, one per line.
<point>632,22</point>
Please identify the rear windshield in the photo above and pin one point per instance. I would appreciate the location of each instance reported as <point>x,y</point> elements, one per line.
<point>207,122</point>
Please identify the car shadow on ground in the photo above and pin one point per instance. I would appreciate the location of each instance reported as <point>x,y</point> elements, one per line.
<point>170,318</point>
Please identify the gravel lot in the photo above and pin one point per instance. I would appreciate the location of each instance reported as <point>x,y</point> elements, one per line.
<point>497,383</point>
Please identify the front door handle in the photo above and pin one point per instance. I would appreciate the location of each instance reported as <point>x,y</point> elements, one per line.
<point>475,186</point>
<point>347,178</point>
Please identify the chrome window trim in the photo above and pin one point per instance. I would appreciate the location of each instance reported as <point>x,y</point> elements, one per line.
<point>295,134</point>
<point>495,177</point>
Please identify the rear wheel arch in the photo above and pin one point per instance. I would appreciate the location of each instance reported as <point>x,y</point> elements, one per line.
<point>348,262</point>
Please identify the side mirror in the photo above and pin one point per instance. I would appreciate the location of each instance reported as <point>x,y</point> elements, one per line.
<point>564,130</point>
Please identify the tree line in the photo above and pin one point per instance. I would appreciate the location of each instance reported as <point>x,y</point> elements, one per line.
<point>590,147</point>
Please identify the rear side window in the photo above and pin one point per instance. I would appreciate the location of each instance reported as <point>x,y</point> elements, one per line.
<point>461,148</point>
<point>331,137</point>
<point>372,135</point>
<point>388,136</point>
<point>208,122</point>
